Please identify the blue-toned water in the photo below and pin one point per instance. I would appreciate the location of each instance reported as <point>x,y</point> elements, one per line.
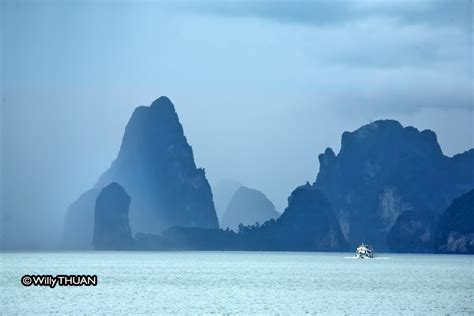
<point>240,282</point>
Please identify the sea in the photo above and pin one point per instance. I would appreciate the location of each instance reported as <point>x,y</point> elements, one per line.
<point>284,283</point>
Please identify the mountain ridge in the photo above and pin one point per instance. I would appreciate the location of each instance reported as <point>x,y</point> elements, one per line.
<point>384,169</point>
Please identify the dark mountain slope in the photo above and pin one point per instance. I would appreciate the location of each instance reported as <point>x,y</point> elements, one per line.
<point>455,231</point>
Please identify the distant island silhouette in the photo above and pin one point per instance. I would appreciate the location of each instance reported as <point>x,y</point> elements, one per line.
<point>389,185</point>
<point>247,206</point>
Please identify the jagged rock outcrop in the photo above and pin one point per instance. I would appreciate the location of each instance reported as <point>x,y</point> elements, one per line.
<point>247,207</point>
<point>156,167</point>
<point>307,224</point>
<point>222,192</point>
<point>412,232</point>
<point>111,225</point>
<point>455,231</point>
<point>384,169</point>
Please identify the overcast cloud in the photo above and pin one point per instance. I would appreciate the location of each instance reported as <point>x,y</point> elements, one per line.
<point>336,12</point>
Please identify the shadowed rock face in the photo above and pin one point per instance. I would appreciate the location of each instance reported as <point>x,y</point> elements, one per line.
<point>247,207</point>
<point>384,169</point>
<point>156,166</point>
<point>412,232</point>
<point>455,231</point>
<point>112,229</point>
<point>308,223</point>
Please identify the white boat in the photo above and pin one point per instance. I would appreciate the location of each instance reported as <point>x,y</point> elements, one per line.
<point>364,251</point>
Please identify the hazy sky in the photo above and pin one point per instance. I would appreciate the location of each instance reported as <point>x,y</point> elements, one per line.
<point>261,88</point>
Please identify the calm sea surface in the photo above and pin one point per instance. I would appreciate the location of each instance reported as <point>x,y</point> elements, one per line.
<point>240,282</point>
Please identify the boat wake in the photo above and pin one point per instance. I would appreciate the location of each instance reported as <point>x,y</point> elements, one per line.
<point>376,258</point>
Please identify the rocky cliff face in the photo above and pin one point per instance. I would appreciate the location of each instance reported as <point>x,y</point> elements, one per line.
<point>455,231</point>
<point>307,224</point>
<point>384,169</point>
<point>247,207</point>
<point>412,232</point>
<point>156,166</point>
<point>111,226</point>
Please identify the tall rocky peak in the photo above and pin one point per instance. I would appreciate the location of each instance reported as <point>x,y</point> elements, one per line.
<point>111,226</point>
<point>156,166</point>
<point>248,206</point>
<point>455,231</point>
<point>384,169</point>
<point>151,132</point>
